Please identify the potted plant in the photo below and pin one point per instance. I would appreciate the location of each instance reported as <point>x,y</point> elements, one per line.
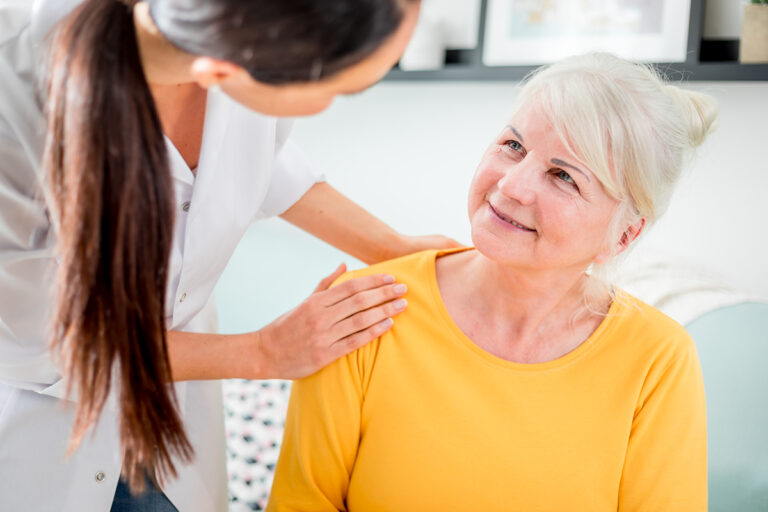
<point>754,33</point>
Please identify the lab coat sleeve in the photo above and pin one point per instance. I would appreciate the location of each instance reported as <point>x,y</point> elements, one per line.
<point>292,176</point>
<point>27,268</point>
<point>27,263</point>
<point>27,276</point>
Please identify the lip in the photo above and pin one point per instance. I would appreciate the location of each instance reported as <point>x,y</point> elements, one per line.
<point>509,221</point>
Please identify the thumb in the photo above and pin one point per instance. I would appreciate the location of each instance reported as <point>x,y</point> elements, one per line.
<point>325,283</point>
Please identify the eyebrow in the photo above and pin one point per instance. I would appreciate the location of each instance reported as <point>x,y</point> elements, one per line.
<point>557,161</point>
<point>517,133</point>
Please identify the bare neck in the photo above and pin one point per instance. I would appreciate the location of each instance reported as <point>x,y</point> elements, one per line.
<point>515,315</point>
<point>179,100</point>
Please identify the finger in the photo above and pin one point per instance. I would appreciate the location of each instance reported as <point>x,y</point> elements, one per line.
<point>366,300</point>
<point>453,244</point>
<point>328,281</point>
<point>359,339</point>
<point>353,286</point>
<point>443,242</point>
<point>366,319</point>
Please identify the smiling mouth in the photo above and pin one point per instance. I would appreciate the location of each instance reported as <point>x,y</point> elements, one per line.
<point>509,220</point>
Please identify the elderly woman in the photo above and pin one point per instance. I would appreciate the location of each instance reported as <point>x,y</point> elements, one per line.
<point>519,378</point>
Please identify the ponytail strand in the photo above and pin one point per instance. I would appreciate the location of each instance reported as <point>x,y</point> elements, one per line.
<point>112,205</point>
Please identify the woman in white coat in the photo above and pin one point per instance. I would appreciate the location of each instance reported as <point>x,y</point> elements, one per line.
<point>128,173</point>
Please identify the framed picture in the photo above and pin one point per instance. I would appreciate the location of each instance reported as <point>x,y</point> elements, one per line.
<point>534,32</point>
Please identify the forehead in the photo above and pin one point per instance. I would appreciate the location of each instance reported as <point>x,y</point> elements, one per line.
<point>534,125</point>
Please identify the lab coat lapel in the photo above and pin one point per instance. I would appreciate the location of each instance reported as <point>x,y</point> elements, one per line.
<point>233,175</point>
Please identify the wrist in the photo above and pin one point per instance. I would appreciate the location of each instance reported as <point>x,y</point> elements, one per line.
<point>250,356</point>
<point>395,245</point>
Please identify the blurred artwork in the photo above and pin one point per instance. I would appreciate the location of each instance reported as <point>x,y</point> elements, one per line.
<point>548,18</point>
<point>530,32</point>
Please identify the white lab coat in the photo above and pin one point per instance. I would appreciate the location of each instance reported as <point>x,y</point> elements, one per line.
<point>248,169</point>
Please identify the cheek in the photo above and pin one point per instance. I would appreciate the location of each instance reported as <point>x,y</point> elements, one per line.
<point>584,228</point>
<point>482,182</point>
<point>486,174</point>
<point>280,102</point>
<point>297,103</point>
<point>312,106</point>
<point>564,218</point>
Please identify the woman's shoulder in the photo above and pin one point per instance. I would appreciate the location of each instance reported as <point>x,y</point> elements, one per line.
<point>649,329</point>
<point>410,269</point>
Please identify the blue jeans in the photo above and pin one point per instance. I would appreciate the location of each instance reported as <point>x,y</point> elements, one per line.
<point>152,500</point>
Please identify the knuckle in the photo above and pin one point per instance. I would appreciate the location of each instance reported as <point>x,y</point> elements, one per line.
<point>355,341</point>
<point>356,323</point>
<point>390,291</point>
<point>390,309</point>
<point>352,287</point>
<point>359,302</point>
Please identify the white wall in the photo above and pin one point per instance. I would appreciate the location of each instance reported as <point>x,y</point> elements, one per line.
<point>407,151</point>
<point>723,19</point>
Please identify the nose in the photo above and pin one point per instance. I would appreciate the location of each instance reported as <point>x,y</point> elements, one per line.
<point>520,181</point>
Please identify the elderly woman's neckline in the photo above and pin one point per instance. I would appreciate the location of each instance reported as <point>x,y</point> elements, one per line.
<point>509,325</point>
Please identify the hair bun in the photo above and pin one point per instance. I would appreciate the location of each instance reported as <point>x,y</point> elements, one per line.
<point>699,112</point>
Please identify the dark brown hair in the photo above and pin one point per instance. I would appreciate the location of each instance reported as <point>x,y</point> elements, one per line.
<point>112,203</point>
<point>112,193</point>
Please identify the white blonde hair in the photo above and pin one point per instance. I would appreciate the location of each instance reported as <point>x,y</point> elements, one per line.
<point>629,126</point>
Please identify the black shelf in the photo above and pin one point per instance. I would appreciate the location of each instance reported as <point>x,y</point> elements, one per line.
<point>715,60</point>
<point>702,71</point>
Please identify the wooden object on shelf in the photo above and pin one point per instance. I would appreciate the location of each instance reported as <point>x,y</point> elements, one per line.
<point>754,35</point>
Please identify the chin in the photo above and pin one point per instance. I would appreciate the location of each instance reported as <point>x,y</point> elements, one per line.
<point>494,248</point>
<point>287,110</point>
<point>276,105</point>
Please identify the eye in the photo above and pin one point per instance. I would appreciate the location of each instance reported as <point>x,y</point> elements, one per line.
<point>515,146</point>
<point>561,174</point>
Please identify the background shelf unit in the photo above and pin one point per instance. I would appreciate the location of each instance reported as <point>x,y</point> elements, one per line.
<point>710,60</point>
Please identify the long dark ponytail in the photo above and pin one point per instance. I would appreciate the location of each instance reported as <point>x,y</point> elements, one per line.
<point>112,204</point>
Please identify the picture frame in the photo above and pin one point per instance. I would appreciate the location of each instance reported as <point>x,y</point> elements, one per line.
<point>536,32</point>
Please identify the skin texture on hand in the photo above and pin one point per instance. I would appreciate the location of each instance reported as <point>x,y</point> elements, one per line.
<point>329,324</point>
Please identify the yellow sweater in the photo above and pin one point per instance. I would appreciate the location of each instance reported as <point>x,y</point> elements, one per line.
<point>422,419</point>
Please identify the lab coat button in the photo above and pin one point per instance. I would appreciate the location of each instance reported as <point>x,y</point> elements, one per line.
<point>185,205</point>
<point>183,296</point>
<point>100,476</point>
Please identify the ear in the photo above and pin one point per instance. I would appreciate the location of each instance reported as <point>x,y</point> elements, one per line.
<point>629,235</point>
<point>207,71</point>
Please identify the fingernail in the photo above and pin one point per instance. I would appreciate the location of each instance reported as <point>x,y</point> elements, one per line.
<point>386,324</point>
<point>400,289</point>
<point>400,304</point>
<point>389,279</point>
